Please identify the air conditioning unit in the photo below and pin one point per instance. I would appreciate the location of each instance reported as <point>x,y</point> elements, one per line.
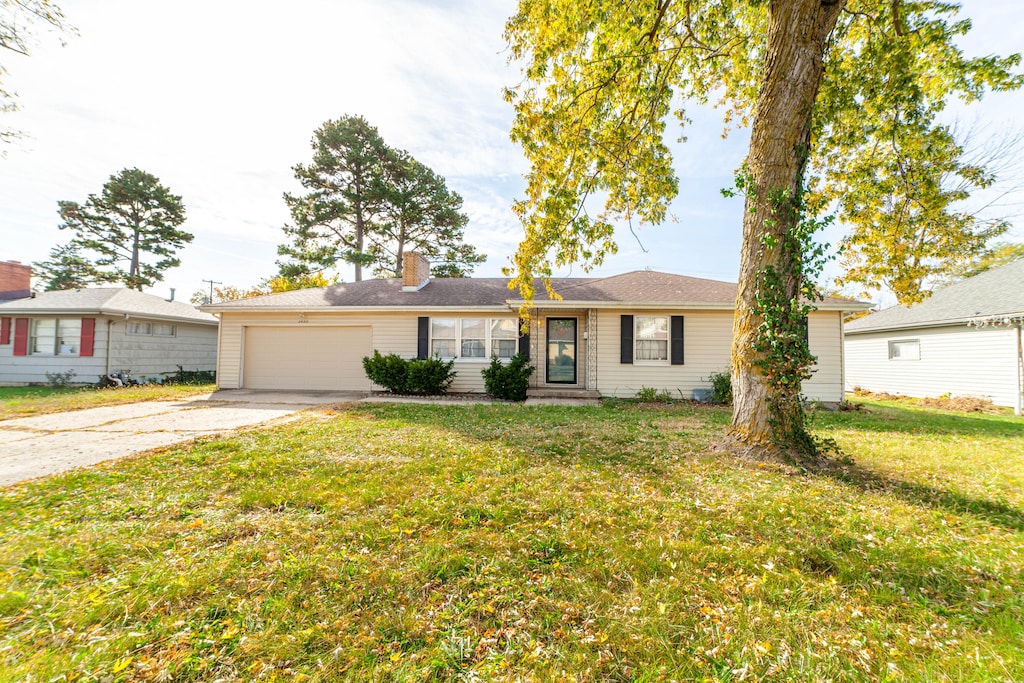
<point>703,395</point>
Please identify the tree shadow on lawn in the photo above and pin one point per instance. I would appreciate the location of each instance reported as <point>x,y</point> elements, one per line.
<point>936,575</point>
<point>887,419</point>
<point>921,495</point>
<point>621,443</point>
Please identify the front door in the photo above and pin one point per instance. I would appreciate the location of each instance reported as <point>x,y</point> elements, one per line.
<point>561,354</point>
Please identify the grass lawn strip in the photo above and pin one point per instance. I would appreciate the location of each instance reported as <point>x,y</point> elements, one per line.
<point>411,542</point>
<point>26,401</point>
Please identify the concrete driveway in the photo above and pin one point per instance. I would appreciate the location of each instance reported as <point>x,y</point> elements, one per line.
<point>36,446</point>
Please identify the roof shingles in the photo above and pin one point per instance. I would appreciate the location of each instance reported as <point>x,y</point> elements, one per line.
<point>995,292</point>
<point>636,287</point>
<point>109,301</point>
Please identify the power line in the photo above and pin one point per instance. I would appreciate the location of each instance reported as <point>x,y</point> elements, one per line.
<point>212,283</point>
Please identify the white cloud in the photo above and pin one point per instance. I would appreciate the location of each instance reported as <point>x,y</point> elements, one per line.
<point>220,100</point>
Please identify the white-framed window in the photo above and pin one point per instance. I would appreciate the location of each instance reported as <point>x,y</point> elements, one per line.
<point>650,339</point>
<point>163,330</point>
<point>905,349</point>
<point>136,327</point>
<point>444,337</point>
<point>55,336</point>
<point>474,337</point>
<point>504,337</point>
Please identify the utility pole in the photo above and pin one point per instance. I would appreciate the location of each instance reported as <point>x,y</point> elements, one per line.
<point>209,300</point>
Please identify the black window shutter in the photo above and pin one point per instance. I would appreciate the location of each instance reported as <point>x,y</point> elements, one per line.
<point>626,340</point>
<point>676,331</point>
<point>423,338</point>
<point>524,341</point>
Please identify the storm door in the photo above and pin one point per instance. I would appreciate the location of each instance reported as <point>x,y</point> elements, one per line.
<point>561,351</point>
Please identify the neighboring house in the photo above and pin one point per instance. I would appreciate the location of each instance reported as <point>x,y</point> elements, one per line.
<point>610,335</point>
<point>964,340</point>
<point>99,331</point>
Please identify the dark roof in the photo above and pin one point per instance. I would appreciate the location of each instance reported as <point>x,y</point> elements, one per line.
<point>996,292</point>
<point>106,301</point>
<point>637,287</point>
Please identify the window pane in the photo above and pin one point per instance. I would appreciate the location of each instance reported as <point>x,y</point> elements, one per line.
<point>651,328</point>
<point>139,328</point>
<point>443,347</point>
<point>909,349</point>
<point>69,334</point>
<point>44,336</point>
<point>474,328</point>
<point>162,330</point>
<point>504,329</point>
<point>504,348</point>
<point>442,328</point>
<point>472,348</point>
<point>651,350</point>
<point>562,330</point>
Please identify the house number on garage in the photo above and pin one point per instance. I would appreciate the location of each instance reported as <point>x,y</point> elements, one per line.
<point>302,320</point>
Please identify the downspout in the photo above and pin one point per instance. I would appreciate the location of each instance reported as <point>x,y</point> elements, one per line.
<point>842,358</point>
<point>106,360</point>
<point>1019,408</point>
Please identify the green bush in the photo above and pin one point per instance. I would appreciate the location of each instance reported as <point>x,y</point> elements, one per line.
<point>59,380</point>
<point>508,381</point>
<point>721,387</point>
<point>653,395</point>
<point>388,371</point>
<point>183,376</point>
<point>428,376</point>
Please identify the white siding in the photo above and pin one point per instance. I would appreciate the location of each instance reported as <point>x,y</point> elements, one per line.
<point>707,340</point>
<point>960,361</point>
<point>21,370</point>
<point>825,338</point>
<point>392,333</point>
<point>194,347</point>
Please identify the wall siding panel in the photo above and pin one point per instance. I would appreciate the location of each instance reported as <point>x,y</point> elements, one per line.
<point>392,333</point>
<point>194,347</point>
<point>708,338</point>
<point>960,361</point>
<point>708,342</point>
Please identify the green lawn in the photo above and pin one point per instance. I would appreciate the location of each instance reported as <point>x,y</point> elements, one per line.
<point>25,401</point>
<point>417,542</point>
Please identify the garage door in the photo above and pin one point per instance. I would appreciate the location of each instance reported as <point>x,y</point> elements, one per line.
<point>306,358</point>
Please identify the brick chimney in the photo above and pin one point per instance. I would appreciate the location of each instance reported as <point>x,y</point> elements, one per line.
<point>15,280</point>
<point>415,271</point>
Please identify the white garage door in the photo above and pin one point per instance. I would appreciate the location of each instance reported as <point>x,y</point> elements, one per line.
<point>306,358</point>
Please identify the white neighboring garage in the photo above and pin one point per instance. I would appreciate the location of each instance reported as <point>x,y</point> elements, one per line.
<point>307,357</point>
<point>964,340</point>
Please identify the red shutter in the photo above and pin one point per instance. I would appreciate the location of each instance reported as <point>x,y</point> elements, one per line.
<point>88,336</point>
<point>5,330</point>
<point>21,336</point>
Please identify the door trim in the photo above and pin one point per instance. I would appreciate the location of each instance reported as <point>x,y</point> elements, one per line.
<point>575,345</point>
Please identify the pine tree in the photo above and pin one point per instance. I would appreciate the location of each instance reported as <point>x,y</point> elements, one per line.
<point>133,217</point>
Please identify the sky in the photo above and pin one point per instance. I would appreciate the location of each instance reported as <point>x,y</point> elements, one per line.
<point>219,100</point>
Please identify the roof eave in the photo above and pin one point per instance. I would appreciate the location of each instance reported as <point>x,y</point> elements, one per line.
<point>101,312</point>
<point>328,308</point>
<point>949,322</point>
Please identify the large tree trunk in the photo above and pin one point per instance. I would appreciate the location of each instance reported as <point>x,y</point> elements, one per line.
<point>797,34</point>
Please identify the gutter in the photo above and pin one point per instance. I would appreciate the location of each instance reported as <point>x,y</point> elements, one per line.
<point>949,322</point>
<point>511,304</point>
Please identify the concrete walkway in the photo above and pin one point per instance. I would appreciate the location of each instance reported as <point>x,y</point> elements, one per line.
<point>36,446</point>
